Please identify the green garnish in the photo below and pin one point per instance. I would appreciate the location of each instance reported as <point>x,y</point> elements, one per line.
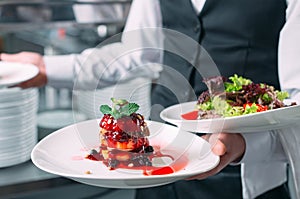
<point>250,109</point>
<point>281,95</point>
<point>105,109</point>
<point>120,108</point>
<point>205,106</point>
<point>221,107</point>
<point>266,97</point>
<point>237,83</point>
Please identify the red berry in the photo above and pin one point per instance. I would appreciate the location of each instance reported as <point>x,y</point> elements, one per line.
<point>107,122</point>
<point>128,124</point>
<point>125,132</point>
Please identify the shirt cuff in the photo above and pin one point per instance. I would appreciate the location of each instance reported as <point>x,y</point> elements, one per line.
<point>258,147</point>
<point>59,70</point>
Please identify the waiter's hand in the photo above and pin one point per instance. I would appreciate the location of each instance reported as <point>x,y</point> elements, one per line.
<point>229,146</point>
<point>29,58</point>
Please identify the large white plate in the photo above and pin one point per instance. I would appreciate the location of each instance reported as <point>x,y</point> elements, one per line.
<point>256,122</point>
<point>61,153</point>
<point>12,73</point>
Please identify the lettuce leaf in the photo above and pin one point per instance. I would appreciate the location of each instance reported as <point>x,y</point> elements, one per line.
<point>237,83</point>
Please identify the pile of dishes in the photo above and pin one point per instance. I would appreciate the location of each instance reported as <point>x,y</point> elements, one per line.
<point>18,129</point>
<point>136,90</point>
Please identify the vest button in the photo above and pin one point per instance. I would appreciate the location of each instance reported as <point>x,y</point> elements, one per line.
<point>197,28</point>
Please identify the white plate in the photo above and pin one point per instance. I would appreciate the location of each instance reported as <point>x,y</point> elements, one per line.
<point>256,122</point>
<point>21,144</point>
<point>13,111</point>
<point>17,152</point>
<point>22,133</point>
<point>17,93</point>
<point>13,132</point>
<point>55,154</point>
<point>12,73</point>
<point>59,118</point>
<point>14,160</point>
<point>18,122</point>
<point>14,141</point>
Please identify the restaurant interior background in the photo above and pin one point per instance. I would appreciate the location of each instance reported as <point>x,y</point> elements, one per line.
<point>55,27</point>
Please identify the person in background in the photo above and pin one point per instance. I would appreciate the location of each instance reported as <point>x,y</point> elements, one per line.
<point>242,37</point>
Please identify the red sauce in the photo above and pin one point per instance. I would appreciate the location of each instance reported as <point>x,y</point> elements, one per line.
<point>77,158</point>
<point>161,171</point>
<point>175,166</point>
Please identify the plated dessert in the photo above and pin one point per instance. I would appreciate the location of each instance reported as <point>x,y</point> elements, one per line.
<point>235,96</point>
<point>192,156</point>
<point>124,140</point>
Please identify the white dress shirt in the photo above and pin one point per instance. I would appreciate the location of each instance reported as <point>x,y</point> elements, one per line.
<point>264,162</point>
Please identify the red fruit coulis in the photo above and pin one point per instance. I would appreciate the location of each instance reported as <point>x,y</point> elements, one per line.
<point>175,166</point>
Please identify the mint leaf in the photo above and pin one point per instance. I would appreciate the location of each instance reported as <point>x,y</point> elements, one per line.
<point>105,109</point>
<point>132,108</point>
<point>124,110</point>
<point>116,113</point>
<point>120,108</point>
<point>119,102</point>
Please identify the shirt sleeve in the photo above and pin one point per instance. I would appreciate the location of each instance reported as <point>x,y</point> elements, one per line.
<point>263,147</point>
<point>137,54</point>
<point>59,70</point>
<point>289,51</point>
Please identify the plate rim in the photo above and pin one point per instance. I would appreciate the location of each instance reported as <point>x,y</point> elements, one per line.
<point>163,115</point>
<point>225,118</point>
<point>127,178</point>
<point>33,69</point>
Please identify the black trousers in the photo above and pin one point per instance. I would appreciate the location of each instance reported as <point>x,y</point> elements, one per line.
<point>225,185</point>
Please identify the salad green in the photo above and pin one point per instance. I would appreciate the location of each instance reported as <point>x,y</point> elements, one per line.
<point>239,96</point>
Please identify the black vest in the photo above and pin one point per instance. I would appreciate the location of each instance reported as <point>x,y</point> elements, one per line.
<point>241,36</point>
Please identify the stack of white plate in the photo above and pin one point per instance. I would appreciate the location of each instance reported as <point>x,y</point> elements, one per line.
<point>136,90</point>
<point>18,131</point>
